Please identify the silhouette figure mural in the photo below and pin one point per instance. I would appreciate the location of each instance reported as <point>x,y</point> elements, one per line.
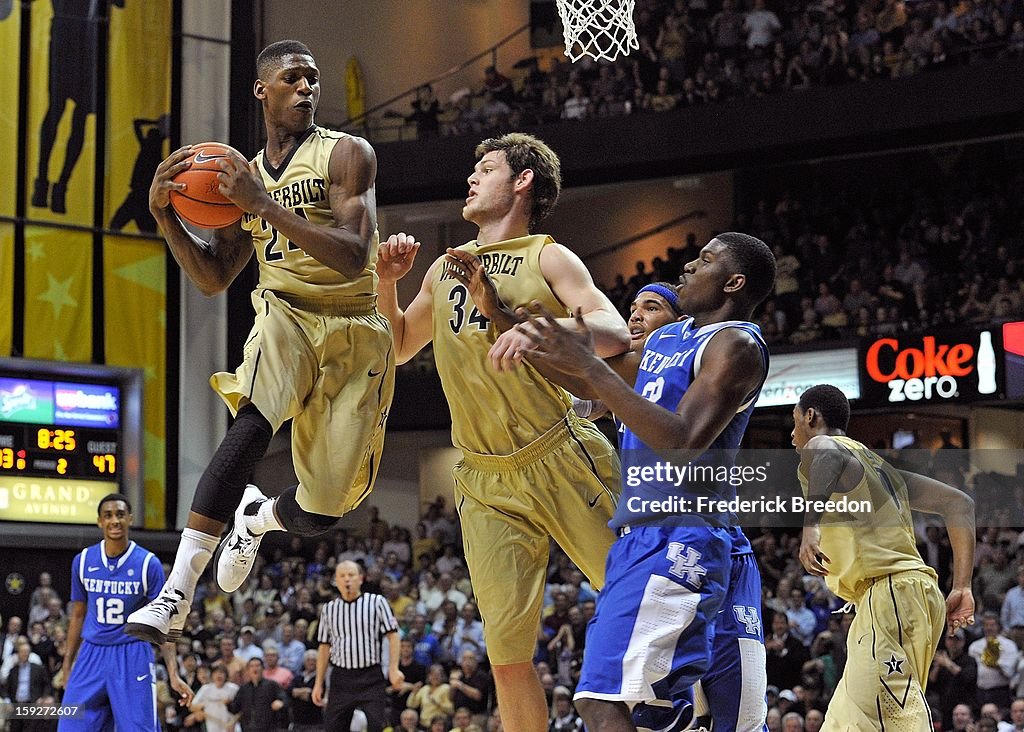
<point>151,134</point>
<point>74,45</point>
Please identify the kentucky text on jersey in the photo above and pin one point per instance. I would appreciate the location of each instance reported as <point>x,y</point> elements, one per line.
<point>493,264</point>
<point>112,587</point>
<point>654,362</point>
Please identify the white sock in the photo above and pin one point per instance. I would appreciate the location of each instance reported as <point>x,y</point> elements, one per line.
<point>194,552</point>
<point>264,519</point>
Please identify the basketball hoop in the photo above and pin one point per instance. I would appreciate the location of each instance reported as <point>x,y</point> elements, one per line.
<point>602,29</point>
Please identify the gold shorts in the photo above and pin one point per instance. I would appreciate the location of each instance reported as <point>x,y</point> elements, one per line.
<point>330,368</point>
<point>564,485</point>
<point>900,619</point>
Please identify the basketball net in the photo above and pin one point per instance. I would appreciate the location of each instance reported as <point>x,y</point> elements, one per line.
<point>602,29</point>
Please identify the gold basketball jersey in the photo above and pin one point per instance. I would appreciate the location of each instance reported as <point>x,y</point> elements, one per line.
<point>301,185</point>
<point>494,413</point>
<point>867,544</point>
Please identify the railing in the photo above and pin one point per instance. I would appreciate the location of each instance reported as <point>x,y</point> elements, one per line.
<point>393,127</point>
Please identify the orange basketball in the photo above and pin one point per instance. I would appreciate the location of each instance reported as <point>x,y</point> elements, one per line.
<point>201,203</point>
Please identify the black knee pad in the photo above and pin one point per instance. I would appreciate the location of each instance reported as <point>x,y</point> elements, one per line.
<point>230,470</point>
<point>299,521</point>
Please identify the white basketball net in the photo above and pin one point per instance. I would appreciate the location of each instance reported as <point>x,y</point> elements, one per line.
<point>602,29</point>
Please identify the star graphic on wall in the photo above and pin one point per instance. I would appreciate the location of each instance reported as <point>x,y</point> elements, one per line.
<point>35,250</point>
<point>58,294</point>
<point>894,665</point>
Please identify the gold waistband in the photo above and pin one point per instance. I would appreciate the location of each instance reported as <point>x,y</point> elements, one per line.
<point>344,306</point>
<point>544,445</point>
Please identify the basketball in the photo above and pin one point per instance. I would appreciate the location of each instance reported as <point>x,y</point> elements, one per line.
<point>201,203</point>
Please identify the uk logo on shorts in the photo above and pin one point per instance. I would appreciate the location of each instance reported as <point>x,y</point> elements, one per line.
<point>684,563</point>
<point>749,618</point>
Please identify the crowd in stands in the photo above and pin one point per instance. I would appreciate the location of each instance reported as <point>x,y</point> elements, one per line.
<point>899,255</point>
<point>444,657</point>
<point>696,52</point>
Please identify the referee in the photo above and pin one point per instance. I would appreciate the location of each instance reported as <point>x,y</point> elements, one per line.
<point>350,633</point>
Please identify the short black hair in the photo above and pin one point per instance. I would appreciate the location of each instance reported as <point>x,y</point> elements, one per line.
<point>754,259</point>
<point>113,497</point>
<point>271,56</point>
<point>830,403</point>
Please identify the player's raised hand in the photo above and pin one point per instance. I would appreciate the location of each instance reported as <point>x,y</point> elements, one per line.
<point>469,270</point>
<point>240,182</point>
<point>163,183</point>
<point>569,350</point>
<point>811,555</point>
<point>396,256</point>
<point>959,610</point>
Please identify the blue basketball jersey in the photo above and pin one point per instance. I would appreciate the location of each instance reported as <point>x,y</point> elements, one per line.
<point>112,588</point>
<point>670,363</point>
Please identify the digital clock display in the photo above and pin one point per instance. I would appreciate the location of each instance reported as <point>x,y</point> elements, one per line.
<point>69,434</point>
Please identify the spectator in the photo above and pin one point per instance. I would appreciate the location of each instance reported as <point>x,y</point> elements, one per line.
<point>435,698</point>
<point>997,662</point>
<point>801,620</point>
<point>27,683</point>
<point>563,715</point>
<point>471,687</point>
<point>292,650</point>
<point>498,85</point>
<point>415,676</point>
<point>258,700</point>
<point>306,716</point>
<point>578,105</point>
<point>247,648</point>
<point>469,633</point>
<point>273,671</point>
<point>425,111</point>
<point>761,25</point>
<point>786,655</point>
<point>210,705</point>
<point>963,719</point>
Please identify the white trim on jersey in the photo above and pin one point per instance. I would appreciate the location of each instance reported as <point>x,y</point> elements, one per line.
<point>665,612</point>
<point>754,679</point>
<point>145,574</point>
<point>122,559</point>
<point>697,359</point>
<point>81,565</point>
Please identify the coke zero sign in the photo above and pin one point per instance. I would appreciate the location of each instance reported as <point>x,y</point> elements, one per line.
<point>932,368</point>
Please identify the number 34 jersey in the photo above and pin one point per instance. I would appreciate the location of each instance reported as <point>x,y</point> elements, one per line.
<point>494,413</point>
<point>112,588</point>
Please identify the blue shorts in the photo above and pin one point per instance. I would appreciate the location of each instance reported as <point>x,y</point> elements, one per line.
<point>112,683</point>
<point>652,635</point>
<point>735,683</point>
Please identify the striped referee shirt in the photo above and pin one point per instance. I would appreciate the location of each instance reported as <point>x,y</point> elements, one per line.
<point>354,629</point>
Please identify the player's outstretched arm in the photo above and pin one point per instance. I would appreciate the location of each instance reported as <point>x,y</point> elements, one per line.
<point>572,285</point>
<point>323,656</point>
<point>829,468</point>
<point>957,511</point>
<point>168,652</point>
<point>344,247</point>
<point>212,265</point>
<point>732,368</point>
<point>76,619</point>
<point>411,328</point>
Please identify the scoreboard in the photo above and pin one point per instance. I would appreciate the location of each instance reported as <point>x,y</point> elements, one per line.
<point>69,435</point>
